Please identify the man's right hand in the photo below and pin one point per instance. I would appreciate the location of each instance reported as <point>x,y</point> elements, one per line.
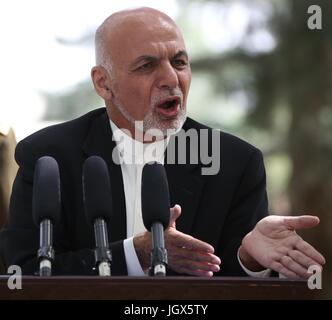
<point>186,254</point>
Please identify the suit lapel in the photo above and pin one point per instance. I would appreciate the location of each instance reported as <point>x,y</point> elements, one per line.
<point>99,142</point>
<point>185,189</point>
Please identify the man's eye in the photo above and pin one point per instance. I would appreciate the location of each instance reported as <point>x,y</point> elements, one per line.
<point>145,66</point>
<point>179,63</point>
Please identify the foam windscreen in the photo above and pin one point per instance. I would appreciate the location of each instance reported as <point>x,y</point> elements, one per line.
<point>155,195</point>
<point>97,195</point>
<point>46,198</point>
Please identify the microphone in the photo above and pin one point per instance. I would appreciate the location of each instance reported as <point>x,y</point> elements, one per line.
<point>46,206</point>
<point>155,211</point>
<point>97,199</point>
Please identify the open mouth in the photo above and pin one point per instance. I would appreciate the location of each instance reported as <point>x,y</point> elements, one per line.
<point>169,107</point>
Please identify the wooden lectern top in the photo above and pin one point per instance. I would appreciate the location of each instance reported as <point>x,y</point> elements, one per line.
<point>143,288</point>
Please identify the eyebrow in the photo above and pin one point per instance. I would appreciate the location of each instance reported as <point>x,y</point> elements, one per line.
<point>153,58</point>
<point>143,58</point>
<point>180,54</point>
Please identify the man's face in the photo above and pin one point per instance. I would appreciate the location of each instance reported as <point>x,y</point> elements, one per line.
<point>150,76</point>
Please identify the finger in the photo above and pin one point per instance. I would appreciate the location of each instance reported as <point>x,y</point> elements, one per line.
<point>301,222</point>
<point>199,273</point>
<point>293,266</point>
<point>193,265</point>
<point>175,214</point>
<point>302,259</point>
<point>183,240</point>
<point>278,267</point>
<point>189,266</point>
<point>195,255</point>
<point>310,251</point>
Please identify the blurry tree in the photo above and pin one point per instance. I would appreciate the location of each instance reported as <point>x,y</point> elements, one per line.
<point>74,102</point>
<point>290,89</point>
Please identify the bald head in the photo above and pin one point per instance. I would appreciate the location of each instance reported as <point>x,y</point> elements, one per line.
<point>128,27</point>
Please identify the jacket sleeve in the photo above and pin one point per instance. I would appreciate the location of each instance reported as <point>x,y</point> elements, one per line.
<point>248,206</point>
<point>20,238</point>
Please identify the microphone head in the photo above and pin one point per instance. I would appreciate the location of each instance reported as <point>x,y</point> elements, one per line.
<point>46,197</point>
<point>155,195</point>
<point>97,196</point>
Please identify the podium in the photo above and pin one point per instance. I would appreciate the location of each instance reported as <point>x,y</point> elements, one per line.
<point>143,288</point>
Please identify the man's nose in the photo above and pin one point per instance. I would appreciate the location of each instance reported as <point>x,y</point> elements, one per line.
<point>167,77</point>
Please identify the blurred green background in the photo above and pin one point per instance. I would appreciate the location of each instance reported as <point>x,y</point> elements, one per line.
<point>260,73</point>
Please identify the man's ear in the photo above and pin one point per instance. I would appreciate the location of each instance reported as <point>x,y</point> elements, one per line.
<point>101,82</point>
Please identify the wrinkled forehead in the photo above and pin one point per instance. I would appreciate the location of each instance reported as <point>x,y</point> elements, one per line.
<point>142,34</point>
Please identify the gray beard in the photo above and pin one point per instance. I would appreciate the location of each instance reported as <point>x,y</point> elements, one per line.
<point>152,121</point>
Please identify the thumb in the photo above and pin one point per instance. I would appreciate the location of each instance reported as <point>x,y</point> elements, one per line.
<point>175,213</point>
<point>301,222</point>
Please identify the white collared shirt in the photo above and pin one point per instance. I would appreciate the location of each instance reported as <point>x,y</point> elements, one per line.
<point>133,155</point>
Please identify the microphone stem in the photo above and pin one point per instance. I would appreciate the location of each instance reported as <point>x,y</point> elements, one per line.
<point>158,253</point>
<point>45,252</point>
<point>102,253</point>
<point>157,231</point>
<point>100,233</point>
<point>46,233</point>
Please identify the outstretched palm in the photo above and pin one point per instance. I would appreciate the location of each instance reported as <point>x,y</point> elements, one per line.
<point>274,244</point>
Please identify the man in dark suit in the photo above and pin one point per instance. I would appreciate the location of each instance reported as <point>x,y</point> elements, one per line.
<point>143,74</point>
